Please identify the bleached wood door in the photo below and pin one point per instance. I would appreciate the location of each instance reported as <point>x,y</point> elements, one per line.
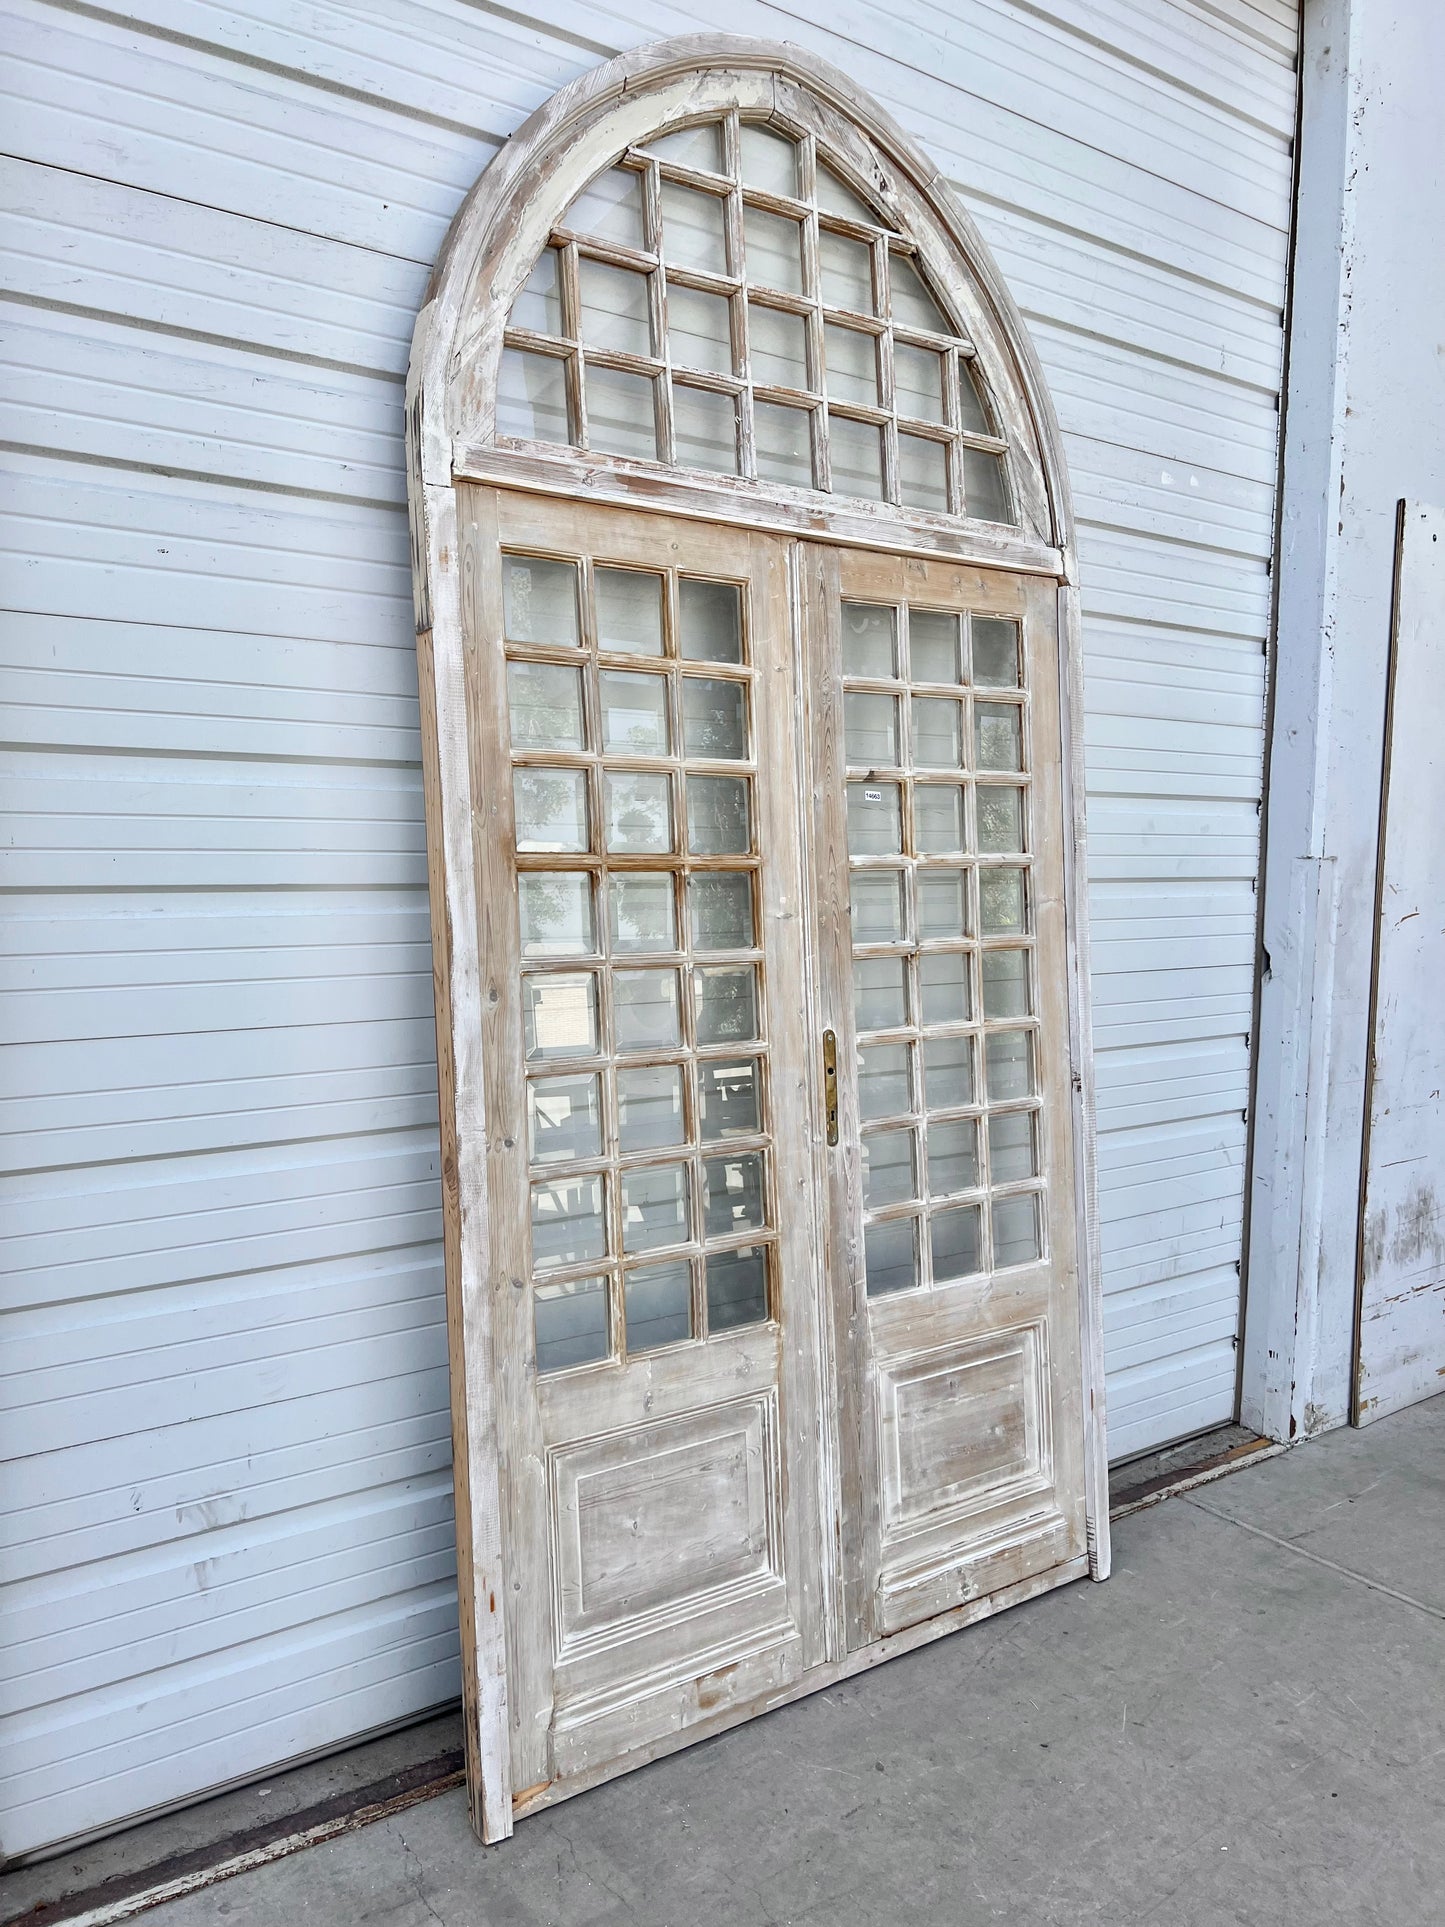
<point>938,860</point>
<point>648,1163</point>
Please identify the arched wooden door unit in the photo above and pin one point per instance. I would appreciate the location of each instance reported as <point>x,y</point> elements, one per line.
<point>749,693</point>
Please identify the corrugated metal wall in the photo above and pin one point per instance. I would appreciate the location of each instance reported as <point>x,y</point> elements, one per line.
<point>227,1530</point>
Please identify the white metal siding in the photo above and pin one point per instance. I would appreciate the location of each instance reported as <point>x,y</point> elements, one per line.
<point>228,1521</point>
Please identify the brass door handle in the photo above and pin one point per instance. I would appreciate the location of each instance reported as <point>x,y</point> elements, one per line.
<point>830,1083</point>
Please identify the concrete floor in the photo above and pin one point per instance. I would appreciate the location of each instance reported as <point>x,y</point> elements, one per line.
<point>1246,1725</point>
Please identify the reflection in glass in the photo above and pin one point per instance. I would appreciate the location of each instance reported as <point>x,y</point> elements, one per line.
<point>891,1256</point>
<point>774,248</point>
<point>539,599</point>
<point>732,1190</point>
<point>545,705</point>
<point>655,1207</point>
<point>1012,1150</point>
<point>783,443</point>
<point>769,160</point>
<point>913,305</point>
<point>852,359</point>
<point>711,621</point>
<point>539,305</point>
<point>634,712</point>
<point>1005,983</point>
<point>888,1168</point>
<point>943,987</point>
<point>727,1009</point>
<point>551,809</point>
<point>722,911</point>
<point>995,652</point>
<point>737,1288</point>
<point>642,913</point>
<point>629,611</point>
<point>1000,819</point>
<point>918,382</point>
<point>692,229</point>
<point>699,147</point>
<point>1010,1065</point>
<point>973,414</point>
<point>649,1107</point>
<point>985,491</point>
<point>714,718</point>
<point>645,1013</point>
<point>870,641</point>
<point>659,1305</point>
<point>879,1001</point>
<point>730,1099</point>
<point>564,1119</point>
<point>877,906</point>
<point>845,272</point>
<point>777,347</point>
<point>567,1225</point>
<point>699,330</point>
<point>998,734</point>
<point>947,1072</point>
<point>620,417</point>
<point>952,1155</point>
<point>532,397</point>
<point>639,813</point>
<point>883,1080</point>
<point>922,473</point>
<point>943,903</point>
<point>609,208</point>
<point>705,429</point>
<point>1015,1230</point>
<point>718,816</point>
<point>938,820</point>
<point>569,1321</point>
<point>875,826</point>
<point>856,458</point>
<point>957,1242</point>
<point>937,733</point>
<point>870,729</point>
<point>559,1015</point>
<point>615,310</point>
<point>933,646</point>
<point>556,913</point>
<point>1001,902</point>
<point>833,197</point>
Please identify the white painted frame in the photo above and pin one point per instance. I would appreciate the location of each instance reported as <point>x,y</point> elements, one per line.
<point>493,243</point>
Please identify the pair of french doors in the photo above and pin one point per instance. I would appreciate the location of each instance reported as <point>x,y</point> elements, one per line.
<point>779,1173</point>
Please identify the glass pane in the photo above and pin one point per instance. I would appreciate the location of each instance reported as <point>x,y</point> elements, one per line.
<point>729,1096</point>
<point>567,1222</point>
<point>1010,1065</point>
<point>883,1080</point>
<point>699,147</point>
<point>769,160</point>
<point>852,359</point>
<point>610,208</point>
<point>699,330</point>
<point>943,903</point>
<point>659,1306</point>
<point>879,1001</point>
<point>732,1192</point>
<point>718,816</point>
<point>645,1015</point>
<point>913,305</point>
<point>998,735</point>
<point>922,473</point>
<point>870,640</point>
<point>947,1072</point>
<point>933,646</point>
<point>737,1288</point>
<point>957,1242</point>
<point>890,1256</point>
<point>545,704</point>
<point>1015,1230</point>
<point>876,906</point>
<point>1001,911</point>
<point>634,712</point>
<point>655,1207</point>
<point>539,600</point>
<point>559,1015</point>
<point>705,429</point>
<point>777,347</point>
<point>727,1005</point>
<point>539,305</point>
<point>639,814</point>
<point>874,824</point>
<point>1000,819</point>
<point>857,458</point>
<point>985,492</point>
<point>943,987</point>
<point>722,912</point>
<point>564,1119</point>
<point>551,809</point>
<point>692,229</point>
<point>714,718</point>
<point>995,652</point>
<point>1012,1151</point>
<point>711,622</point>
<point>642,913</point>
<point>918,382</point>
<point>937,733</point>
<point>783,438</point>
<point>973,414</point>
<point>845,272</point>
<point>938,818</point>
<point>556,914</point>
<point>1005,983</point>
<point>629,612</point>
<point>570,1323</point>
<point>620,418</point>
<point>952,1156</point>
<point>833,197</point>
<point>870,729</point>
<point>532,397</point>
<point>774,248</point>
<point>888,1168</point>
<point>649,1108</point>
<point>615,309</point>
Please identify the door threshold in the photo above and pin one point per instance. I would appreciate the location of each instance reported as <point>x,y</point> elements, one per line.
<point>1158,1475</point>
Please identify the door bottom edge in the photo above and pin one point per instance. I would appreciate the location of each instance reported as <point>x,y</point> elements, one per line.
<point>814,1679</point>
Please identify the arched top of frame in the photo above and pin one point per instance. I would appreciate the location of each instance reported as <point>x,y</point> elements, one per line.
<point>713,261</point>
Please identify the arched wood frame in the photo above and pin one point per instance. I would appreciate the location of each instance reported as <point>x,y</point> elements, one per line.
<point>492,245</point>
